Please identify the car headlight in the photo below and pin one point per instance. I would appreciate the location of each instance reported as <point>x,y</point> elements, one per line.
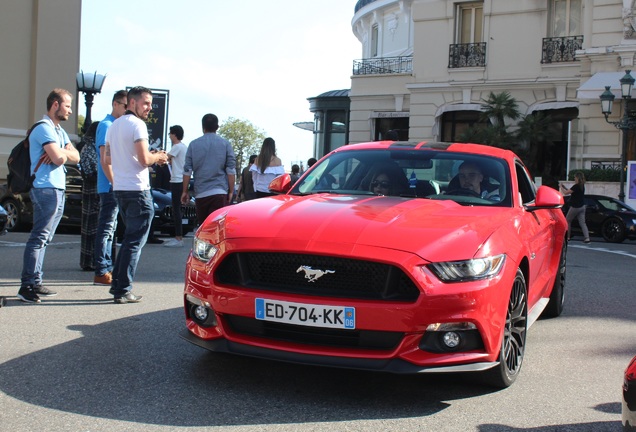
<point>468,270</point>
<point>203,251</point>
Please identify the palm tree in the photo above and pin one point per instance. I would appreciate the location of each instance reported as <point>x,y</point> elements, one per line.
<point>493,130</point>
<point>534,132</point>
<point>500,106</point>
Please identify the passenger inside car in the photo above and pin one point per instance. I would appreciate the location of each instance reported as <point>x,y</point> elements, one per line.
<point>388,179</point>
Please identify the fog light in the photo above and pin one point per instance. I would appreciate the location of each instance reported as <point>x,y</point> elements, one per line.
<point>451,339</point>
<point>200,313</point>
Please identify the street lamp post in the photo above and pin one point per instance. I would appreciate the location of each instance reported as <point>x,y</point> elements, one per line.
<point>89,83</point>
<point>624,124</point>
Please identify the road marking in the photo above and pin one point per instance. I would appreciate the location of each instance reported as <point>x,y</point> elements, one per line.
<point>601,249</point>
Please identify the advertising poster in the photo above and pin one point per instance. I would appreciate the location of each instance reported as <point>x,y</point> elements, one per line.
<point>630,198</point>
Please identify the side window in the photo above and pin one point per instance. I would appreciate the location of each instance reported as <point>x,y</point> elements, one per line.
<point>470,18</point>
<point>375,35</point>
<point>565,18</point>
<point>526,187</point>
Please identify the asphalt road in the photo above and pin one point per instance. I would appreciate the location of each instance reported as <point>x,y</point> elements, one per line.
<point>79,362</point>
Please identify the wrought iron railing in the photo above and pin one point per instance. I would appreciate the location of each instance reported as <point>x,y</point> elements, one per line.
<point>560,49</point>
<point>383,65</point>
<point>467,55</point>
<point>607,165</point>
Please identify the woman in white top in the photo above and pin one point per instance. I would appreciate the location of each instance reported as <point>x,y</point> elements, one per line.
<point>266,168</point>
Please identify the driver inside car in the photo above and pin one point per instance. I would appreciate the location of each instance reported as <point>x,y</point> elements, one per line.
<point>471,178</point>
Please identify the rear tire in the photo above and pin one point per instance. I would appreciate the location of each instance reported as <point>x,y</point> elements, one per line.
<point>514,338</point>
<point>613,231</point>
<point>557,296</point>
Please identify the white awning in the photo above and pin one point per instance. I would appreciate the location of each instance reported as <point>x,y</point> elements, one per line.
<point>459,107</point>
<point>592,88</point>
<point>552,106</point>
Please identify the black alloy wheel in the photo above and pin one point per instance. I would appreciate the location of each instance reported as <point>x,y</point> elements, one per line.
<point>514,337</point>
<point>613,230</point>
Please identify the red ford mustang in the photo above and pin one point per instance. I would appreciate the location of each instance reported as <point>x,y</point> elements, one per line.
<point>387,256</point>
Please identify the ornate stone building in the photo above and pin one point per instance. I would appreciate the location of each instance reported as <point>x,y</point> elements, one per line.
<point>428,66</point>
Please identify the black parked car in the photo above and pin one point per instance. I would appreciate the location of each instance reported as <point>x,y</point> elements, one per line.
<point>4,217</point>
<point>20,211</point>
<point>608,217</point>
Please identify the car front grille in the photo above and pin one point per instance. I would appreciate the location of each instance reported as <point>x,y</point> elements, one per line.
<point>188,211</point>
<point>354,339</point>
<point>342,277</point>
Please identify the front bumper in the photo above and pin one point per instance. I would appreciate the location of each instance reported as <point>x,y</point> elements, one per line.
<point>393,365</point>
<point>411,348</point>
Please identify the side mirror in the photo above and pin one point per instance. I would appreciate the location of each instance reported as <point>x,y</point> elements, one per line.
<point>281,184</point>
<point>547,198</point>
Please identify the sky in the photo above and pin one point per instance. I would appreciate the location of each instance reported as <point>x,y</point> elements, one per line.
<point>254,60</point>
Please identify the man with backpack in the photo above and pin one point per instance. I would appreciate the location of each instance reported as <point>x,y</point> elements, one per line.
<point>50,148</point>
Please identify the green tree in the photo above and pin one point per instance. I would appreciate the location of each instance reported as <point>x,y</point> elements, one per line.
<point>80,124</point>
<point>492,129</point>
<point>499,107</point>
<point>245,138</point>
<point>534,131</point>
<point>530,141</point>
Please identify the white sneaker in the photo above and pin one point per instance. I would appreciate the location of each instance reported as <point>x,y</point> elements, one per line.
<point>173,243</point>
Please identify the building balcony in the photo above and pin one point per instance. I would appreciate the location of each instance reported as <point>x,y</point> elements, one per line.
<point>467,55</point>
<point>560,49</point>
<point>383,65</point>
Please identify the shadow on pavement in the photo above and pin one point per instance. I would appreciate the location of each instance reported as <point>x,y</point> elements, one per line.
<point>137,369</point>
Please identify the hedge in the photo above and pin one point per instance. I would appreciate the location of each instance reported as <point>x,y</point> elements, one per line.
<point>598,174</point>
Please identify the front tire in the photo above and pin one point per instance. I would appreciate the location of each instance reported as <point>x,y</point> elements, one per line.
<point>514,338</point>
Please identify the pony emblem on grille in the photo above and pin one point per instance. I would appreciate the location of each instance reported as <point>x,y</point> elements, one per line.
<point>311,274</point>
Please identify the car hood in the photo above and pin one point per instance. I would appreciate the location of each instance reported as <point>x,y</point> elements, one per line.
<point>436,229</point>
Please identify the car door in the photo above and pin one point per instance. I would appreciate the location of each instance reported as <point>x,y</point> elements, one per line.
<point>537,231</point>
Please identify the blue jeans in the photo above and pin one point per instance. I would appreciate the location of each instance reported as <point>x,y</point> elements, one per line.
<point>106,225</point>
<point>48,206</point>
<point>137,211</point>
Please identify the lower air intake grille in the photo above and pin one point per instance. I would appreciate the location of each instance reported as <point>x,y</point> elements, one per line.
<point>361,339</point>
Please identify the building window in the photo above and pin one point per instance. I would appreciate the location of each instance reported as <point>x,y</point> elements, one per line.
<point>565,18</point>
<point>455,123</point>
<point>470,18</point>
<point>398,124</point>
<point>374,40</point>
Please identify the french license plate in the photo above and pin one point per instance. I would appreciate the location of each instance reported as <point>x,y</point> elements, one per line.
<point>343,317</point>
<point>184,221</point>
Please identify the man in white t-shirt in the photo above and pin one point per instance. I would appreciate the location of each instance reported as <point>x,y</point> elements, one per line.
<point>176,158</point>
<point>128,155</point>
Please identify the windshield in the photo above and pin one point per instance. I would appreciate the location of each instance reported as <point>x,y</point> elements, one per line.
<point>426,173</point>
